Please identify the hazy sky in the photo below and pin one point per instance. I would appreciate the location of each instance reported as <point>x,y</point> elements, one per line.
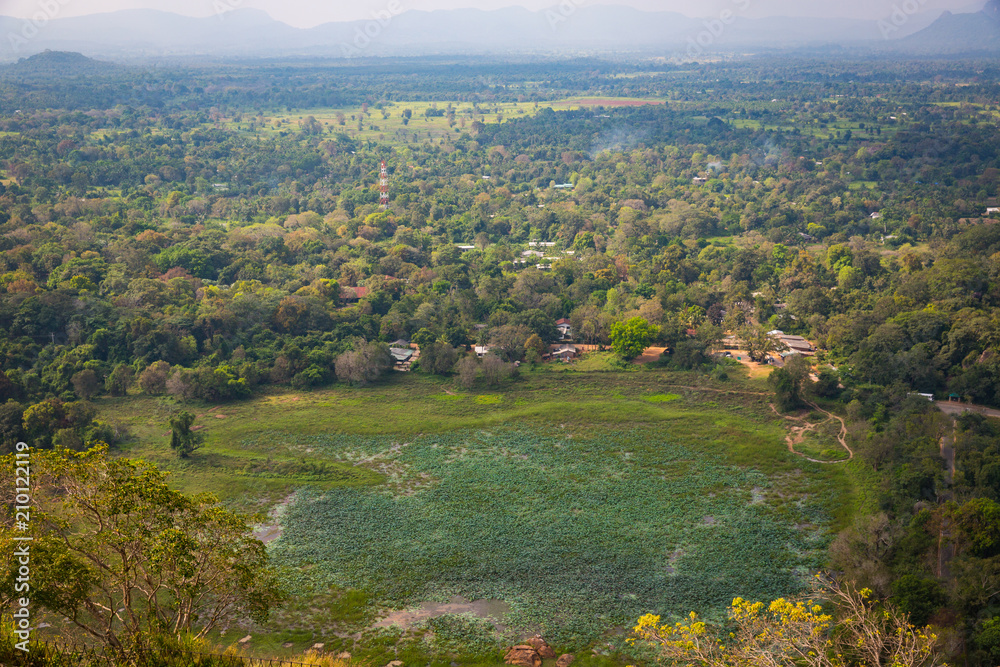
<point>306,13</point>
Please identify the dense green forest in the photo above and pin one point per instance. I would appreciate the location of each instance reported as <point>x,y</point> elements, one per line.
<point>164,232</point>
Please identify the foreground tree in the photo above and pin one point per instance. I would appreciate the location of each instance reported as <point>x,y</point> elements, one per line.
<point>799,632</point>
<point>124,557</point>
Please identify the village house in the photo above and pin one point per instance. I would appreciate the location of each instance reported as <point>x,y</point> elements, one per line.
<point>563,352</point>
<point>564,328</point>
<point>353,294</point>
<point>794,344</point>
<point>402,356</point>
<point>788,344</point>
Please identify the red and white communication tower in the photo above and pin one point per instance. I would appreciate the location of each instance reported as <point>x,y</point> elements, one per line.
<point>383,187</point>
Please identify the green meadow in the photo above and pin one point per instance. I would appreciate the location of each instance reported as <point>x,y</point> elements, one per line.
<point>386,123</point>
<point>580,499</point>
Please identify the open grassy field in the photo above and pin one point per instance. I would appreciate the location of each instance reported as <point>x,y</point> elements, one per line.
<point>387,124</point>
<point>579,499</point>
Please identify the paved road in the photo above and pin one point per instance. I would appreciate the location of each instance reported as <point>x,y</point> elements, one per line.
<point>955,408</point>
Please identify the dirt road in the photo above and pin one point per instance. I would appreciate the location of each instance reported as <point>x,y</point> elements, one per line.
<point>956,408</point>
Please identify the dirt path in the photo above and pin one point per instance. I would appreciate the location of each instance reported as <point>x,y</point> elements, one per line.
<point>956,408</point>
<point>753,368</point>
<point>946,549</point>
<point>547,390</point>
<point>842,436</point>
<point>797,434</point>
<point>718,391</point>
<point>948,454</point>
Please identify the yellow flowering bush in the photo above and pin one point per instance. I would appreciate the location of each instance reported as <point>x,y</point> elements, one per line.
<point>850,630</point>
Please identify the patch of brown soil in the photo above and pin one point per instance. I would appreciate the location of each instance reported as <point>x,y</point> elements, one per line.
<point>492,610</point>
<point>649,354</point>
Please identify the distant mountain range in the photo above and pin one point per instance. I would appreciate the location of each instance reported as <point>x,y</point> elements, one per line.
<point>958,33</point>
<point>151,34</point>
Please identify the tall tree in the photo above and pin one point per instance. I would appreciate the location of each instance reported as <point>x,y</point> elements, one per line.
<point>631,337</point>
<point>86,383</point>
<point>789,382</point>
<point>182,439</point>
<point>758,342</point>
<point>365,364</point>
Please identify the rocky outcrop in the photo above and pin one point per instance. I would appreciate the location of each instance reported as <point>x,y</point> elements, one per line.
<point>523,655</point>
<point>565,660</point>
<point>539,644</point>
